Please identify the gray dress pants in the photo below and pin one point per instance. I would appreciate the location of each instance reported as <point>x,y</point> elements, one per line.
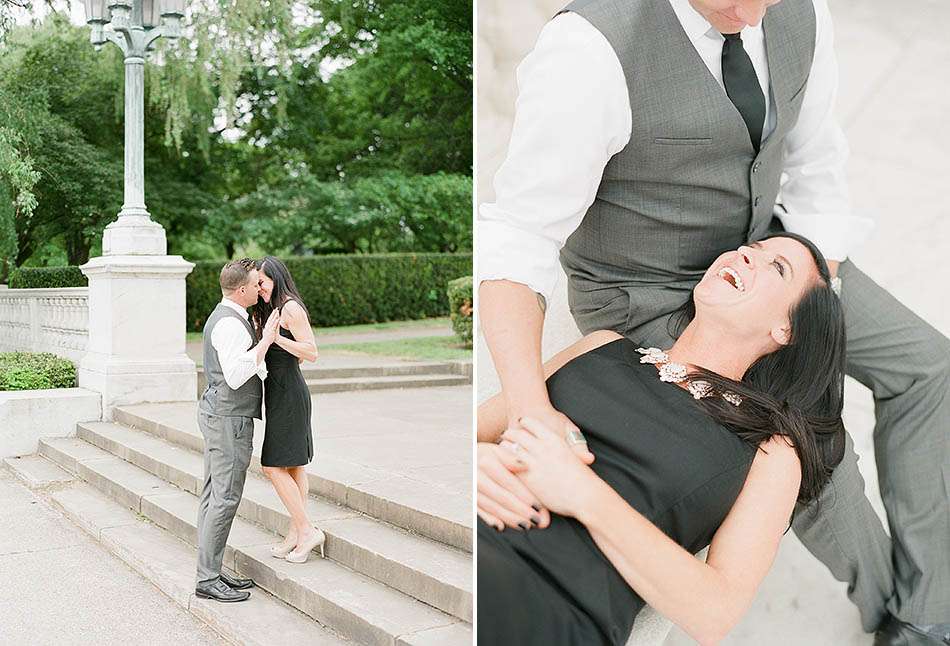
<point>906,364</point>
<point>228,443</point>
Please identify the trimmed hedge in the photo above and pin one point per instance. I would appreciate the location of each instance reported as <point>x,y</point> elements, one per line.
<point>32,277</point>
<point>35,371</point>
<point>350,289</point>
<point>460,308</point>
<point>338,289</point>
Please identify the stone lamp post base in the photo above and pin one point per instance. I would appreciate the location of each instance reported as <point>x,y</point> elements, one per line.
<point>136,349</point>
<point>134,235</point>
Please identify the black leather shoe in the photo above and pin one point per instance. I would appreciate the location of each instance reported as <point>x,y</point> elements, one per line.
<point>220,591</point>
<point>894,632</point>
<point>236,583</point>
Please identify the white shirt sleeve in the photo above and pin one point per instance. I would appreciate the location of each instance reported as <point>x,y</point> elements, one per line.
<point>816,191</point>
<point>571,116</point>
<point>238,360</point>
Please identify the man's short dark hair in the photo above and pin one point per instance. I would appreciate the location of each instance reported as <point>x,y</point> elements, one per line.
<point>235,273</point>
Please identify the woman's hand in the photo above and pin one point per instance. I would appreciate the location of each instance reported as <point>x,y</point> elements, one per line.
<point>503,500</point>
<point>555,420</point>
<point>551,470</point>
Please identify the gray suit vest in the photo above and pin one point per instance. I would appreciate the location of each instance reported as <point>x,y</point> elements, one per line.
<point>689,185</point>
<point>219,398</point>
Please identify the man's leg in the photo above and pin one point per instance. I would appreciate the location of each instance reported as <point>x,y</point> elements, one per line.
<point>228,453</point>
<point>906,364</point>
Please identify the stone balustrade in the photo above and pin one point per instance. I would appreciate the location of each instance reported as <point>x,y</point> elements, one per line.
<point>45,320</point>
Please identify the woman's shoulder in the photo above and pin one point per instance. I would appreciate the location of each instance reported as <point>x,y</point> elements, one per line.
<point>292,307</point>
<point>776,460</point>
<point>583,346</point>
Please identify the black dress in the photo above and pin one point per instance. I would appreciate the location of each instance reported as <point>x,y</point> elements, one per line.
<point>654,446</point>
<point>288,438</point>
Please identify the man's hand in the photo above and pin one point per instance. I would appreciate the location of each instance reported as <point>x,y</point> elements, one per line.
<point>559,422</point>
<point>270,328</point>
<point>502,497</point>
<point>833,267</point>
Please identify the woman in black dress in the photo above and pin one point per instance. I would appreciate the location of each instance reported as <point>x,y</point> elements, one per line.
<point>711,442</point>
<point>288,438</point>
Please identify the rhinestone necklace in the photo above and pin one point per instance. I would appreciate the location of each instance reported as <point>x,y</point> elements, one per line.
<point>676,373</point>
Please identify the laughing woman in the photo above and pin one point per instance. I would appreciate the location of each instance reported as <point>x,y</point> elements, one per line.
<point>288,438</point>
<point>710,442</point>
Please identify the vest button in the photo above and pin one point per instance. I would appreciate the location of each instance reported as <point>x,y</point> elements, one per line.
<point>758,198</point>
<point>755,167</point>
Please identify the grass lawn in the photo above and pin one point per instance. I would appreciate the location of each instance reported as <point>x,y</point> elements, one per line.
<point>427,348</point>
<point>440,322</point>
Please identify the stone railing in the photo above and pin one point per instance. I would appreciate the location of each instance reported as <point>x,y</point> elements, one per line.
<point>45,320</point>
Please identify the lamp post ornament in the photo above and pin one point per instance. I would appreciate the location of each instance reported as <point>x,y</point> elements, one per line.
<point>134,25</point>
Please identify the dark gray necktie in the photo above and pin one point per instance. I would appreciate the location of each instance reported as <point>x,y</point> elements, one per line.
<point>742,86</point>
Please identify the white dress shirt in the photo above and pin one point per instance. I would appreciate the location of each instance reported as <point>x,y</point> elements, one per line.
<point>573,114</point>
<point>232,342</point>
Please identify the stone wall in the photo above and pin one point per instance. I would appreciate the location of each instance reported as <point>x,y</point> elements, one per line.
<point>28,415</point>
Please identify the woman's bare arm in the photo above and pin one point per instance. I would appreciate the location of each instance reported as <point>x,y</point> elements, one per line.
<point>492,413</point>
<point>305,346</point>
<point>705,599</point>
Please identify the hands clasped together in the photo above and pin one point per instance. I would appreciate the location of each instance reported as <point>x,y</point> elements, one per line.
<point>540,465</point>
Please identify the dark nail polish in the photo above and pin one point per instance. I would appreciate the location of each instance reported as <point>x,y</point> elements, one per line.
<point>536,507</point>
<point>536,521</point>
<point>523,525</point>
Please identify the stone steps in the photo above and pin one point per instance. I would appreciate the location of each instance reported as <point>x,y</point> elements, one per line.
<point>346,484</point>
<point>348,602</point>
<point>417,374</point>
<point>347,384</point>
<point>168,562</point>
<point>420,567</point>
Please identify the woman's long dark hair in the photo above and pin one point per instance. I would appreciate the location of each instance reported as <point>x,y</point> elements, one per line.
<point>796,391</point>
<point>284,290</point>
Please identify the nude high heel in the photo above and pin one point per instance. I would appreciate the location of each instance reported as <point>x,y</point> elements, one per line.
<point>301,553</point>
<point>281,551</point>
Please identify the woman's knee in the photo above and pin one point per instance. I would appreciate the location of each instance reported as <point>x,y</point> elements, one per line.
<point>273,472</point>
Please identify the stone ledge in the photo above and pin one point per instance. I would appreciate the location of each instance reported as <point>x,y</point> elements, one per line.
<point>28,415</point>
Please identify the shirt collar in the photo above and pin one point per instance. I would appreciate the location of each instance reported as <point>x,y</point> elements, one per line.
<point>692,21</point>
<point>236,307</point>
<point>696,26</point>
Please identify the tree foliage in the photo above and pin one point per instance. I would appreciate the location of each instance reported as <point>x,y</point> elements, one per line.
<point>289,126</point>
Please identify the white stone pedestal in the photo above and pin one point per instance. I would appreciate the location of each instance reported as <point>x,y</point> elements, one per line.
<point>136,350</point>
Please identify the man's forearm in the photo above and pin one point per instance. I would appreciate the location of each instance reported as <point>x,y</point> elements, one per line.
<point>512,319</point>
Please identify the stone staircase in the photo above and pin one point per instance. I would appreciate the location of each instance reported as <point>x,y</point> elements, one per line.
<point>387,374</point>
<point>394,573</point>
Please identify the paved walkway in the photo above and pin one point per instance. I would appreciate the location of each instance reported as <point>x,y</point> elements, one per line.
<point>345,359</point>
<point>895,118</point>
<point>58,586</point>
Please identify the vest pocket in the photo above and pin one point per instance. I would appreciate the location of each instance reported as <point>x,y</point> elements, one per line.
<point>683,141</point>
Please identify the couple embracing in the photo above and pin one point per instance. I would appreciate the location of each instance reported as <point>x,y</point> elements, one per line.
<point>703,405</point>
<point>250,360</point>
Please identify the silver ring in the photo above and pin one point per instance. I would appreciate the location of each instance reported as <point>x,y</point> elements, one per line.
<point>575,437</point>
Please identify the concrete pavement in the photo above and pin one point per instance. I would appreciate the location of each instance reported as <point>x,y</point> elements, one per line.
<point>59,586</point>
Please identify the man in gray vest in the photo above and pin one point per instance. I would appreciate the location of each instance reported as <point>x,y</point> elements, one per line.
<point>650,137</point>
<point>234,368</point>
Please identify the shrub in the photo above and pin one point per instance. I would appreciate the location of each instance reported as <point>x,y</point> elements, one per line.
<point>338,289</point>
<point>350,289</point>
<point>31,277</point>
<point>461,309</point>
<point>35,371</point>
